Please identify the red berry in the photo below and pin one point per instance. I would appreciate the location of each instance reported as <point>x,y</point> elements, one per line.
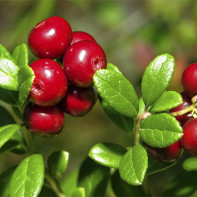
<point>189,139</point>
<point>50,38</point>
<point>168,154</point>
<point>50,83</point>
<point>186,103</point>
<point>81,61</point>
<point>78,101</point>
<point>189,80</point>
<point>80,36</point>
<point>44,121</point>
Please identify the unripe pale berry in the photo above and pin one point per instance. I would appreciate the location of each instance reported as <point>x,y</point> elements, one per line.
<point>50,83</point>
<point>43,121</point>
<point>50,38</point>
<point>81,61</point>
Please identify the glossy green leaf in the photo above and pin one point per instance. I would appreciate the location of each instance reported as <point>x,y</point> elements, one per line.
<point>107,154</point>
<point>93,178</point>
<point>20,55</point>
<point>184,184</point>
<point>123,122</point>
<point>9,96</point>
<point>7,131</point>
<point>26,77</point>
<point>5,179</point>
<point>117,91</point>
<point>121,188</point>
<point>110,66</point>
<point>4,52</point>
<point>190,164</point>
<point>69,184</point>
<point>57,163</point>
<point>133,165</point>
<point>79,192</point>
<point>157,77</point>
<point>141,107</point>
<point>5,117</point>
<point>167,101</point>
<point>155,166</point>
<point>8,74</point>
<point>28,177</point>
<point>160,130</point>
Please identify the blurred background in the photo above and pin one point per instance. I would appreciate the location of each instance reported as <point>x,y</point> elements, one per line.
<point>132,33</point>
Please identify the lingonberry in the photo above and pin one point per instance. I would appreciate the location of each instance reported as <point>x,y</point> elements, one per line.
<point>44,121</point>
<point>50,83</point>
<point>50,38</point>
<point>167,154</point>
<point>186,103</point>
<point>81,61</point>
<point>189,80</point>
<point>78,101</point>
<point>189,139</point>
<point>80,36</point>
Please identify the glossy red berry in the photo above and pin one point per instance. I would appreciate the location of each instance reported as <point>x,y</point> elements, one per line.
<point>81,61</point>
<point>189,139</point>
<point>78,101</point>
<point>186,103</point>
<point>50,83</point>
<point>189,80</point>
<point>168,154</point>
<point>50,38</point>
<point>44,121</point>
<point>80,36</point>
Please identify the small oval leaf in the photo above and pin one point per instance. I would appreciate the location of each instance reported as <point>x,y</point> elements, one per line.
<point>167,101</point>
<point>133,165</point>
<point>26,77</point>
<point>79,192</point>
<point>107,154</point>
<point>8,74</point>
<point>190,164</point>
<point>57,163</point>
<point>160,130</point>
<point>20,55</point>
<point>117,91</point>
<point>28,177</point>
<point>4,52</point>
<point>157,77</point>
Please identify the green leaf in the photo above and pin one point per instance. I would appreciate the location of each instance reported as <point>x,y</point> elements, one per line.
<point>93,178</point>
<point>110,66</point>
<point>69,184</point>
<point>107,154</point>
<point>28,177</point>
<point>141,107</point>
<point>160,130</point>
<point>5,179</point>
<point>5,117</point>
<point>123,122</point>
<point>155,166</point>
<point>26,77</point>
<point>79,192</point>
<point>190,164</point>
<point>9,96</point>
<point>20,55</point>
<point>184,184</point>
<point>57,163</point>
<point>117,91</point>
<point>121,188</point>
<point>7,131</point>
<point>157,77</point>
<point>168,100</point>
<point>133,165</point>
<point>4,52</point>
<point>8,74</point>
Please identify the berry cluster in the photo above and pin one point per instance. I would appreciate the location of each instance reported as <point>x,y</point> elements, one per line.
<point>185,113</point>
<point>61,88</point>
